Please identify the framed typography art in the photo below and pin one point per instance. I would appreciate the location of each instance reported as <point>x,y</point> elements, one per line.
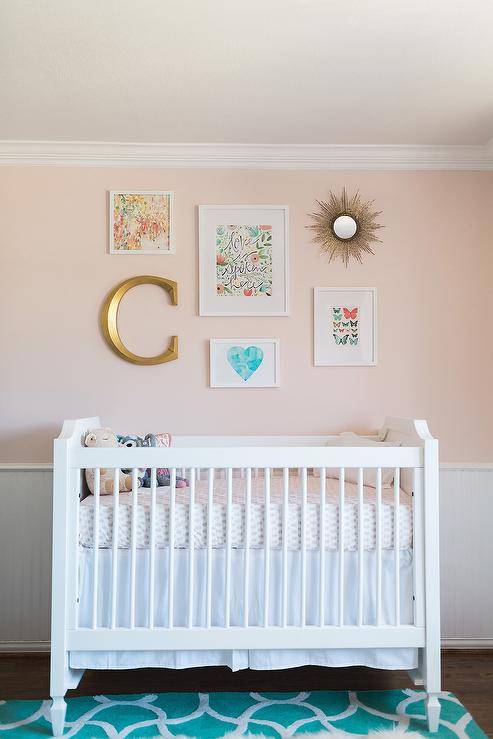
<point>244,363</point>
<point>141,222</point>
<point>243,260</point>
<point>344,326</point>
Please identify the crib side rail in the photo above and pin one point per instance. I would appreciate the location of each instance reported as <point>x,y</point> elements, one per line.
<point>253,457</point>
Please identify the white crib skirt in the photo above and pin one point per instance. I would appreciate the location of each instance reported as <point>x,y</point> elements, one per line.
<point>241,659</point>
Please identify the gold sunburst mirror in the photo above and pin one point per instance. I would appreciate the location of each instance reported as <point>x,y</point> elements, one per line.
<point>345,226</point>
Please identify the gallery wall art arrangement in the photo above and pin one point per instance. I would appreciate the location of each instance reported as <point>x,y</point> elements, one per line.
<point>244,271</point>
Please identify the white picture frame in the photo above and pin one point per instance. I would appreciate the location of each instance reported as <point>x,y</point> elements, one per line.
<point>352,341</point>
<point>164,224</point>
<point>236,369</point>
<point>253,278</point>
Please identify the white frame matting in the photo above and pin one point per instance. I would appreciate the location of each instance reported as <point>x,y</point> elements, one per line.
<point>326,353</point>
<point>212,304</point>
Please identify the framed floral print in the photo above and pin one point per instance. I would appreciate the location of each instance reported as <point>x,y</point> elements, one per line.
<point>141,222</point>
<point>344,326</point>
<point>244,363</point>
<point>243,260</point>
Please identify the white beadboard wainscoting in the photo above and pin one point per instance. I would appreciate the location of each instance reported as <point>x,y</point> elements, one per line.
<point>466,496</point>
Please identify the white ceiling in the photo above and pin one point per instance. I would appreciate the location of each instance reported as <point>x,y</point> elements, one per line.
<point>247,71</point>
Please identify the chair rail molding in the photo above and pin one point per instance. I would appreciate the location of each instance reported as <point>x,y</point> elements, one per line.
<point>248,156</point>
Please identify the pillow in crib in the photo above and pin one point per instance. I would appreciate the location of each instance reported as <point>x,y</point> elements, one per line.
<point>349,438</point>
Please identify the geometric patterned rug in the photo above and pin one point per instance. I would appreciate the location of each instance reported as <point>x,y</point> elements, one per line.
<point>213,715</point>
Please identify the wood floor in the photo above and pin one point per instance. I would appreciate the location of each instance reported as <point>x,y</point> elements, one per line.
<point>468,674</point>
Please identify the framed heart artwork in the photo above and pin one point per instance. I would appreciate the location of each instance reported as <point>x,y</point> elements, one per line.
<point>344,326</point>
<point>245,363</point>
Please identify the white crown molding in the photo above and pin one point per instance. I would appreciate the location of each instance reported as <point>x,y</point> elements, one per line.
<point>247,156</point>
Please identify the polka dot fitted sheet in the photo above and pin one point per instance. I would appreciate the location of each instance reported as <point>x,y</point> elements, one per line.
<point>257,516</point>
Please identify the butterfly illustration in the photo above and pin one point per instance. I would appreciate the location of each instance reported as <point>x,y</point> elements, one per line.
<point>340,339</point>
<point>337,324</point>
<point>353,341</point>
<point>350,313</point>
<point>353,323</point>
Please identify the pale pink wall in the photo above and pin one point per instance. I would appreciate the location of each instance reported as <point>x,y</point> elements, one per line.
<point>433,275</point>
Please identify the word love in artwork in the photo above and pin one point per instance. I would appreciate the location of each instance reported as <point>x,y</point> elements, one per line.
<point>244,260</point>
<point>245,361</point>
<point>345,325</point>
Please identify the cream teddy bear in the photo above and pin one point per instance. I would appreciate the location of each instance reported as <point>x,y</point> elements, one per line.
<point>106,438</point>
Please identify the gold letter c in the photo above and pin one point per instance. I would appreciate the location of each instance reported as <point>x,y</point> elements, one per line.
<point>109,319</point>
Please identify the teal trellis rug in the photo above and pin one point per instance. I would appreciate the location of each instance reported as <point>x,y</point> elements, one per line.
<point>207,715</point>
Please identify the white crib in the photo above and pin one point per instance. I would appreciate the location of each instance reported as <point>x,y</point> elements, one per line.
<point>342,596</point>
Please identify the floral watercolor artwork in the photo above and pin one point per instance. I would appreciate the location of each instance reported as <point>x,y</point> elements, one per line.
<point>345,325</point>
<point>244,260</point>
<point>141,222</point>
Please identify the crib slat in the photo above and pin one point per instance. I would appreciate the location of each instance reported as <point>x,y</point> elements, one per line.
<point>418,548</point>
<point>285,510</point>
<point>360,545</point>
<point>229,506</point>
<point>114,559</point>
<point>171,557</point>
<point>77,516</point>
<point>246,582</point>
<point>303,545</point>
<point>133,551</point>
<point>95,576</point>
<point>341,544</point>
<point>210,503</point>
<point>379,545</point>
<point>191,510</point>
<point>321,619</point>
<point>397,546</point>
<point>152,545</point>
<point>266,544</point>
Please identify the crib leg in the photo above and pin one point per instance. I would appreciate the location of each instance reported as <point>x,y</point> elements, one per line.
<point>433,712</point>
<point>58,711</point>
<point>416,677</point>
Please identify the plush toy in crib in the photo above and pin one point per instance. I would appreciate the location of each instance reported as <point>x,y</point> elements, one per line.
<point>162,473</point>
<point>106,438</point>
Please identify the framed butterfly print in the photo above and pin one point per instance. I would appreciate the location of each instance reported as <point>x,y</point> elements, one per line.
<point>344,326</point>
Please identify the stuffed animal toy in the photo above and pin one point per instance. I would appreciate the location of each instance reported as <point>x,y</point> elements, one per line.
<point>106,438</point>
<point>162,473</point>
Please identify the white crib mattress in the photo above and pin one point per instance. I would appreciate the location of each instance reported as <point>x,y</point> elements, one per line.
<point>257,516</point>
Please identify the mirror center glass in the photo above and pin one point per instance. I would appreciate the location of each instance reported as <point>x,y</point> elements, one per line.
<point>344,227</point>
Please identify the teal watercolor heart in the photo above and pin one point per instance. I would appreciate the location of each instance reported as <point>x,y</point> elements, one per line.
<point>245,361</point>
